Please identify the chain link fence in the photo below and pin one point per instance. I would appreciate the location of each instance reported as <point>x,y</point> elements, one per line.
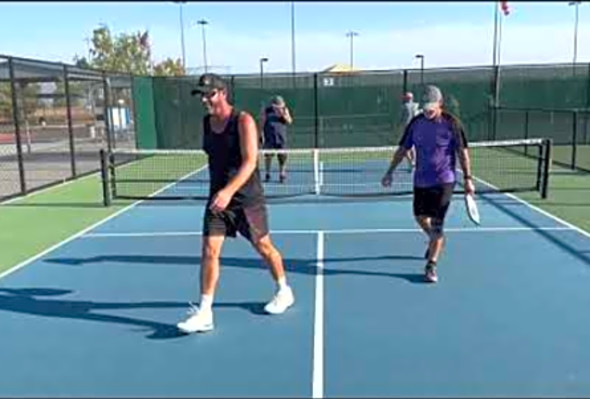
<point>54,119</point>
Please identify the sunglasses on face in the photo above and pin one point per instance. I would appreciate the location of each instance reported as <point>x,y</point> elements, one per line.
<point>209,95</point>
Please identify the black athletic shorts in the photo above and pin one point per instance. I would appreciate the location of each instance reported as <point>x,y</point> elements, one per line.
<point>250,221</point>
<point>433,201</point>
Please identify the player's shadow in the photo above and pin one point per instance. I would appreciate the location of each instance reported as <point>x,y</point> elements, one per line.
<point>519,212</point>
<point>42,302</point>
<point>293,265</point>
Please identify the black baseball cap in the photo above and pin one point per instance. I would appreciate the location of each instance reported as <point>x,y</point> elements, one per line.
<point>209,82</point>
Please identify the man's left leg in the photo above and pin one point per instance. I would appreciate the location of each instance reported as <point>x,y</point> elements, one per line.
<point>254,227</point>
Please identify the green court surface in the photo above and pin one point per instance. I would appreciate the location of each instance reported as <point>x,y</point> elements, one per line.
<point>35,223</point>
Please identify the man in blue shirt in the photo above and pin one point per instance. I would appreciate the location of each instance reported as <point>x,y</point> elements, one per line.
<point>438,138</point>
<point>274,120</point>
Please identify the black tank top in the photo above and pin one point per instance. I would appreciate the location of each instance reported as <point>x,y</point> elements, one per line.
<point>225,159</point>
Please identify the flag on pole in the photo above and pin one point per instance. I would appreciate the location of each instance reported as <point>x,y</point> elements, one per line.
<point>504,7</point>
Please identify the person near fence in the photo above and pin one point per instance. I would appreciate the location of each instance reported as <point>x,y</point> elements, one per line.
<point>236,200</point>
<point>409,110</point>
<point>274,120</point>
<point>439,139</point>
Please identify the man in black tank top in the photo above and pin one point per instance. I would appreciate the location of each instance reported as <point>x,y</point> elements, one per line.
<point>236,200</point>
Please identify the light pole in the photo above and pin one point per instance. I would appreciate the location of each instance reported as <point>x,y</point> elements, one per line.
<point>204,22</point>
<point>180,3</point>
<point>576,4</point>
<point>293,39</point>
<point>421,57</point>
<point>351,34</point>
<point>262,61</point>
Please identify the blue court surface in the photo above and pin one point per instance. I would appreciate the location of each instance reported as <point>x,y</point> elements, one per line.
<point>95,317</point>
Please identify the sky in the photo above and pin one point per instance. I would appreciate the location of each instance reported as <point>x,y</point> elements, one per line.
<point>390,34</point>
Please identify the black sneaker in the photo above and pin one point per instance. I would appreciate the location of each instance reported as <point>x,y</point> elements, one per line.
<point>267,177</point>
<point>282,178</point>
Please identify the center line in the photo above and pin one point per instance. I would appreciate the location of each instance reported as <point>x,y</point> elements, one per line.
<point>318,336</point>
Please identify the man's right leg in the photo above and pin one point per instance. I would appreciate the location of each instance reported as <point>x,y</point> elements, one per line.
<point>214,231</point>
<point>267,163</point>
<point>201,318</point>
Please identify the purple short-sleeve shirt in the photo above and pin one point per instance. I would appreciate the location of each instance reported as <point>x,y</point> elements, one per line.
<point>436,142</point>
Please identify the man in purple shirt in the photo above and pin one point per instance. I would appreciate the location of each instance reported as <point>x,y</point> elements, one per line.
<point>438,139</point>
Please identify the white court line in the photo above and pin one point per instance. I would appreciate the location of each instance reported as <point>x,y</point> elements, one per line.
<point>550,215</point>
<point>84,231</point>
<point>318,333</point>
<point>341,231</point>
<point>536,208</point>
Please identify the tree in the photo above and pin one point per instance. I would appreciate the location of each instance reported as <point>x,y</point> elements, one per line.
<point>169,67</point>
<point>27,97</point>
<point>127,52</point>
<point>124,53</point>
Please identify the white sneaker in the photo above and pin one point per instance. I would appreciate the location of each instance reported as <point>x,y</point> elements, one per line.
<point>281,301</point>
<point>198,321</point>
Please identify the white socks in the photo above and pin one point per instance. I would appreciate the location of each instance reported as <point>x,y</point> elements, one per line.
<point>206,302</point>
<point>282,283</point>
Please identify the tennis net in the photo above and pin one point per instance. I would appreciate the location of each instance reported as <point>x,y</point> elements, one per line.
<point>497,166</point>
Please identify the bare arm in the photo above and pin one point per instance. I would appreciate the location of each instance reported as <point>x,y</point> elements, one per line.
<point>398,156</point>
<point>464,161</point>
<point>464,158</point>
<point>287,116</point>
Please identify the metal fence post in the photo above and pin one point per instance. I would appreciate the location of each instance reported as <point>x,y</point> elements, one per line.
<point>107,116</point>
<point>316,111</point>
<point>69,121</point>
<point>16,119</point>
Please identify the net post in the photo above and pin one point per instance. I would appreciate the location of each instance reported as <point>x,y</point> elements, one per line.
<point>574,138</point>
<point>540,159</point>
<point>104,175</point>
<point>107,117</point>
<point>526,130</point>
<point>112,178</point>
<point>548,143</point>
<point>316,171</point>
